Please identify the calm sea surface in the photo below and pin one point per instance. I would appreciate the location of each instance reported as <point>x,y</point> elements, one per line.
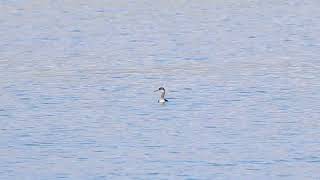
<point>242,80</point>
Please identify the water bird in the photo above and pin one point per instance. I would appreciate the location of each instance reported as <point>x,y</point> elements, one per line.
<point>163,92</point>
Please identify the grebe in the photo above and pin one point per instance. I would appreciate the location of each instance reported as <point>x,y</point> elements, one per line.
<point>163,92</point>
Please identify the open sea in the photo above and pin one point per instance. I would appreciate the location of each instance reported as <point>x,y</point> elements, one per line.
<point>242,80</point>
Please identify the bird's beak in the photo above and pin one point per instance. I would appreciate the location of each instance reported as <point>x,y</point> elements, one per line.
<point>156,90</point>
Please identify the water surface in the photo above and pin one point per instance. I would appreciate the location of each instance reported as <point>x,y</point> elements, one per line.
<point>77,82</point>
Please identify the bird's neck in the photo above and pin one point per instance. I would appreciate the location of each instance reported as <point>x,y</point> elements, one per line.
<point>162,94</point>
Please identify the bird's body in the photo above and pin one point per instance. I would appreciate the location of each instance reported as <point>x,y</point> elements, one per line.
<point>162,100</point>
<point>163,92</point>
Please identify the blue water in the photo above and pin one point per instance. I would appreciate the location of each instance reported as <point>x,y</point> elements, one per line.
<point>77,82</point>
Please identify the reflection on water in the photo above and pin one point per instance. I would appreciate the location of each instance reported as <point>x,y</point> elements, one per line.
<point>77,82</point>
